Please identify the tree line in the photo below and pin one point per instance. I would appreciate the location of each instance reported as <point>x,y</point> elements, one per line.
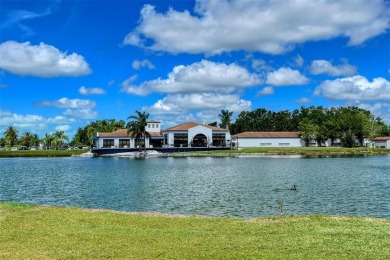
<point>27,139</point>
<point>315,124</point>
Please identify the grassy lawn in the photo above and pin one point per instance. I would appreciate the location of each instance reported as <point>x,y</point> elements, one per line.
<point>40,153</point>
<point>297,151</point>
<point>36,232</point>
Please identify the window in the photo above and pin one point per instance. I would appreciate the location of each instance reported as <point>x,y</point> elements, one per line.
<point>108,143</point>
<point>219,139</point>
<point>124,143</point>
<point>265,144</point>
<point>284,144</point>
<point>180,140</point>
<point>152,125</point>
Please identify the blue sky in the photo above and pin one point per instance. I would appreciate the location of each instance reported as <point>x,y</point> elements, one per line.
<point>64,64</point>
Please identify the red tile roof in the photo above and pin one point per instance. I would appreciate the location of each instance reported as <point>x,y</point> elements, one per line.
<point>267,135</point>
<point>384,138</point>
<point>154,121</point>
<point>189,125</point>
<point>123,133</point>
<point>117,133</point>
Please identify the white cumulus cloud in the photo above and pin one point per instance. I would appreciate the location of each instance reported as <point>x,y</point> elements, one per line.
<point>183,103</point>
<point>62,128</point>
<point>325,67</point>
<point>266,26</point>
<point>355,88</point>
<point>137,64</point>
<point>91,91</point>
<point>286,77</point>
<point>266,91</point>
<point>40,60</point>
<point>85,113</point>
<point>67,103</point>
<point>200,77</point>
<point>30,122</point>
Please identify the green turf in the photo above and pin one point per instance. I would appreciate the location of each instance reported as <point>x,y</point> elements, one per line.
<point>41,153</point>
<point>36,232</point>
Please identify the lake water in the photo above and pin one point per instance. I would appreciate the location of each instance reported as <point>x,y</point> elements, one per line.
<point>238,187</point>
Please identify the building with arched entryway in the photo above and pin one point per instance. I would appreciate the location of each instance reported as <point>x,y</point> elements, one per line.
<point>185,135</point>
<point>192,134</point>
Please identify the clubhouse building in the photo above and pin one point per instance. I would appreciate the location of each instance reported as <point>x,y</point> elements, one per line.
<point>187,135</point>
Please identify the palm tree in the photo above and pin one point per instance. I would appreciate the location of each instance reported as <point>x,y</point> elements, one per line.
<point>48,140</point>
<point>225,118</point>
<point>11,135</point>
<point>137,126</point>
<point>59,136</point>
<point>26,139</point>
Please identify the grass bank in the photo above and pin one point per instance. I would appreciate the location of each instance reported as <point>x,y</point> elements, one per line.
<point>36,232</point>
<point>306,151</point>
<point>41,153</point>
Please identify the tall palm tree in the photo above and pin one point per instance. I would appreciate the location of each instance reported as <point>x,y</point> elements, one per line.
<point>225,118</point>
<point>26,139</point>
<point>137,126</point>
<point>59,137</point>
<point>48,140</point>
<point>11,135</point>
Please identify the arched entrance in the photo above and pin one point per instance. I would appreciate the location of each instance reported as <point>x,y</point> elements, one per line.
<point>199,140</point>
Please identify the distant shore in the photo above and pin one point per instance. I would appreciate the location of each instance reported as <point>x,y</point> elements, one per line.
<point>302,151</point>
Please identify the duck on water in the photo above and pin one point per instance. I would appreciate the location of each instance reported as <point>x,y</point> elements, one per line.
<point>293,188</point>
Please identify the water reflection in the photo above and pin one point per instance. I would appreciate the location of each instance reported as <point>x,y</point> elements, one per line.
<point>241,187</point>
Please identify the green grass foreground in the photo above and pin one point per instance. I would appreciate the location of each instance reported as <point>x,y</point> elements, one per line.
<point>41,153</point>
<point>37,232</point>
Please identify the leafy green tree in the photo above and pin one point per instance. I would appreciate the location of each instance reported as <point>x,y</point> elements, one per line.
<point>48,141</point>
<point>11,135</point>
<point>84,135</point>
<point>213,123</point>
<point>2,142</point>
<point>226,117</point>
<point>59,137</point>
<point>308,131</point>
<point>137,127</point>
<point>26,139</point>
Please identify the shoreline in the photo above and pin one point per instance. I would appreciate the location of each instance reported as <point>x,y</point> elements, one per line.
<point>248,152</point>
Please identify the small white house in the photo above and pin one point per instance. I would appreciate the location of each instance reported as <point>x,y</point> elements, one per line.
<point>382,142</point>
<point>267,139</point>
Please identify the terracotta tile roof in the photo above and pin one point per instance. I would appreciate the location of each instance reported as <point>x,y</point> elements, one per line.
<point>123,133</point>
<point>155,134</point>
<point>384,138</point>
<point>117,133</point>
<point>154,121</point>
<point>189,125</point>
<point>267,135</point>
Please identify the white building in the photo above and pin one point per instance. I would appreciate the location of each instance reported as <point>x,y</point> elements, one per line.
<point>192,134</point>
<point>122,139</point>
<point>382,142</point>
<point>267,139</point>
<point>185,135</point>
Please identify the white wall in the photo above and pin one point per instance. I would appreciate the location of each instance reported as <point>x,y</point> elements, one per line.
<point>268,142</point>
<point>385,144</point>
<point>155,129</point>
<point>200,130</point>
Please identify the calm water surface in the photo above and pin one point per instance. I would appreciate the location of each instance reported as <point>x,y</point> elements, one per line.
<point>240,187</point>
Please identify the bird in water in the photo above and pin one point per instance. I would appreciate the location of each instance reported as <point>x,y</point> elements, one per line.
<point>294,187</point>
